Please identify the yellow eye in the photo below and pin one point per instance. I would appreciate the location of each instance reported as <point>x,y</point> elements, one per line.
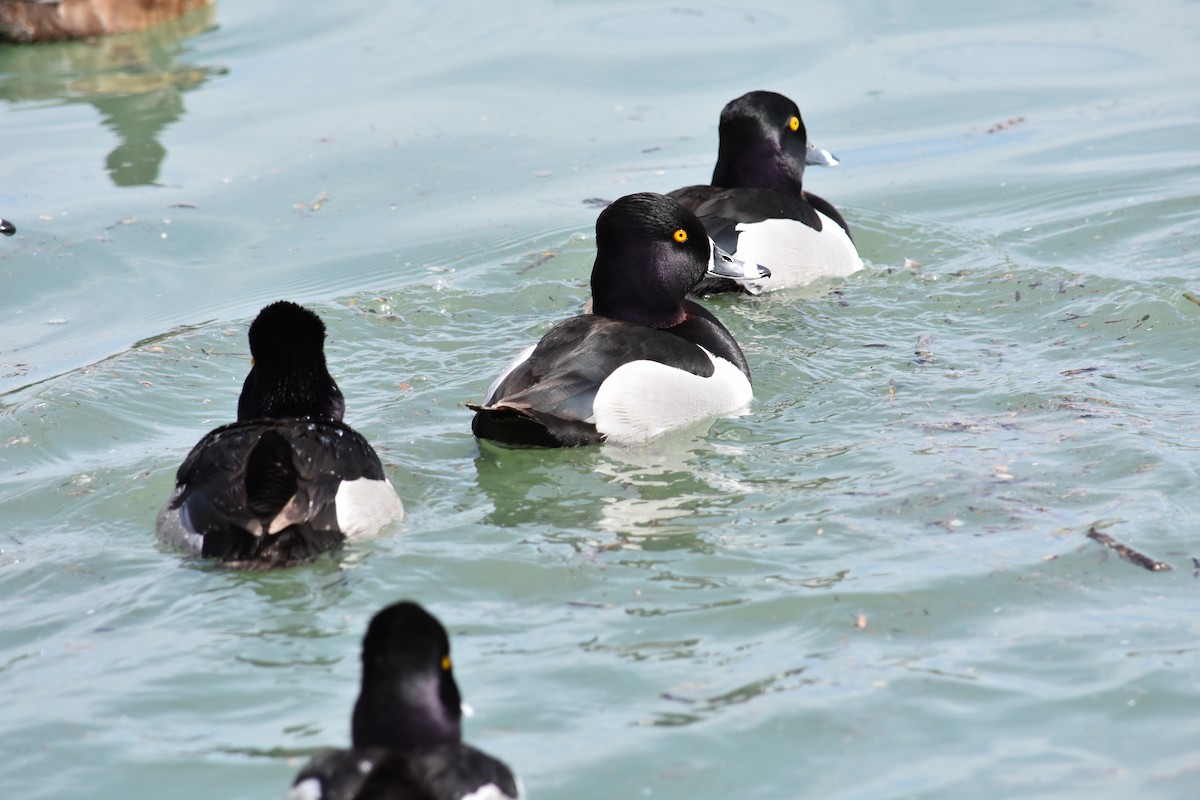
<point>252,361</point>
<point>680,236</point>
<point>445,663</point>
<point>794,123</point>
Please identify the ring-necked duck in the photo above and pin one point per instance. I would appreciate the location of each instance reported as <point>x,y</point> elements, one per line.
<point>756,206</point>
<point>406,730</point>
<point>289,479</point>
<point>646,360</point>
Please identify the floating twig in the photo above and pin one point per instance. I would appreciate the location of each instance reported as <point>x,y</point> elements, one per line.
<point>1011,122</point>
<point>540,259</point>
<point>1137,325</point>
<point>1128,553</point>
<point>674,698</point>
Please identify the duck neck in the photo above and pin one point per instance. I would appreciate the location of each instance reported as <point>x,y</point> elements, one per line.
<point>411,715</point>
<point>640,292</point>
<point>302,392</point>
<point>756,166</point>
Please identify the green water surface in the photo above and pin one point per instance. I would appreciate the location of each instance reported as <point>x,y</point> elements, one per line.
<point>876,584</point>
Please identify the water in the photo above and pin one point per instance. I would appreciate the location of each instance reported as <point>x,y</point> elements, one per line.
<point>877,584</point>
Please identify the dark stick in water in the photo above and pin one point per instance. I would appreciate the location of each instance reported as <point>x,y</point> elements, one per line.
<point>1129,554</point>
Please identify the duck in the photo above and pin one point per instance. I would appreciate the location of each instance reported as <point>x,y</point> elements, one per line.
<point>756,207</point>
<point>27,21</point>
<point>289,479</point>
<point>7,228</point>
<point>406,728</point>
<point>646,359</point>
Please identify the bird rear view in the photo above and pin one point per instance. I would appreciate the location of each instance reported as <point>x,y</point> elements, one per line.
<point>289,480</point>
<point>406,731</point>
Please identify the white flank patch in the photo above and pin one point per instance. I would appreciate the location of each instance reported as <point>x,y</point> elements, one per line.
<point>521,358</point>
<point>307,789</point>
<point>796,254</point>
<point>364,506</point>
<point>644,399</point>
<point>489,791</point>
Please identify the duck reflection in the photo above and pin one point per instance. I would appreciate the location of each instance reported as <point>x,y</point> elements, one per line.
<point>136,81</point>
<point>647,498</point>
<point>55,20</point>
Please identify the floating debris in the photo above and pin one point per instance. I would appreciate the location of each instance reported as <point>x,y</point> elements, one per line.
<point>539,259</point>
<point>1008,123</point>
<point>1127,553</point>
<point>1135,327</point>
<point>674,698</point>
<point>951,427</point>
<point>921,351</point>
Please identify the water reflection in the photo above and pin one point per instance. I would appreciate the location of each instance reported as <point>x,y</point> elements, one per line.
<point>136,81</point>
<point>651,498</point>
<point>699,707</point>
